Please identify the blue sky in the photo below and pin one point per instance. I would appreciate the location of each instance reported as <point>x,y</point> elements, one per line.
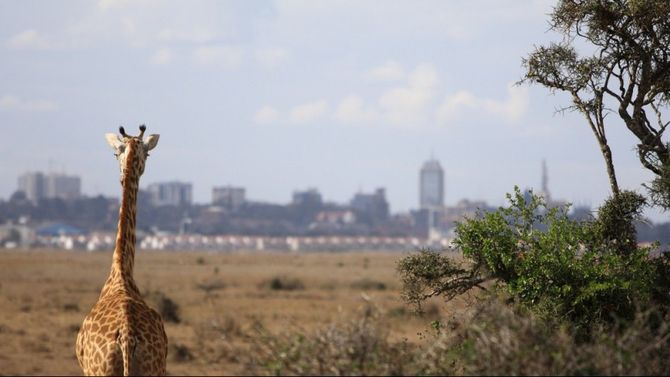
<point>276,96</point>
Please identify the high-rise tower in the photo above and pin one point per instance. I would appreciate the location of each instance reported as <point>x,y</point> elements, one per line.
<point>545,182</point>
<point>431,185</point>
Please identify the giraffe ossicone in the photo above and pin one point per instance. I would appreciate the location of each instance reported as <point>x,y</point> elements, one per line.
<point>122,335</point>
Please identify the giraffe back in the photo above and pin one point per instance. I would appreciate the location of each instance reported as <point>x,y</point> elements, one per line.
<point>122,328</point>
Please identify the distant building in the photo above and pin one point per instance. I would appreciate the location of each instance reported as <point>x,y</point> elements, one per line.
<point>33,184</point>
<point>171,193</point>
<point>37,185</point>
<point>340,217</point>
<point>16,235</point>
<point>371,207</point>
<point>63,186</point>
<point>310,197</point>
<point>545,182</point>
<point>229,197</point>
<point>544,190</point>
<point>431,185</point>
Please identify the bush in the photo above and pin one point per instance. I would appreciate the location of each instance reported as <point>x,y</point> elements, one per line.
<point>503,339</point>
<point>495,338</point>
<point>616,221</point>
<point>164,305</point>
<point>356,347</point>
<point>583,272</point>
<point>180,353</point>
<point>282,283</point>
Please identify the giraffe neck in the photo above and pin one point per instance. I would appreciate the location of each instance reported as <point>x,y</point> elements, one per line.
<point>123,259</point>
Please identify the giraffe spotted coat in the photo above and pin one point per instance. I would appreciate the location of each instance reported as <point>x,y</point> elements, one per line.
<point>122,335</point>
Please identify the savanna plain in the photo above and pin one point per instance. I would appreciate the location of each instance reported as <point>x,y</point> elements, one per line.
<point>216,306</point>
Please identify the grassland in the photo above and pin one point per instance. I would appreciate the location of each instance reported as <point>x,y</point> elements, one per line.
<point>44,296</point>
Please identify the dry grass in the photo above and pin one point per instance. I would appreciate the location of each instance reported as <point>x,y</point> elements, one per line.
<point>44,296</point>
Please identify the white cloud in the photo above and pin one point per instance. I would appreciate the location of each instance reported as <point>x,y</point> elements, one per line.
<point>424,76</point>
<point>226,56</point>
<point>352,109</point>
<point>271,56</point>
<point>11,102</point>
<point>454,105</point>
<point>196,36</point>
<point>308,112</point>
<point>146,23</point>
<point>30,39</point>
<point>514,107</point>
<point>162,56</point>
<point>510,109</point>
<point>408,105</point>
<point>109,4</point>
<point>389,71</point>
<point>266,115</point>
<point>121,4</point>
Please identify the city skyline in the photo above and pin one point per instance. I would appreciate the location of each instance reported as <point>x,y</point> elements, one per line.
<point>275,96</point>
<point>38,184</point>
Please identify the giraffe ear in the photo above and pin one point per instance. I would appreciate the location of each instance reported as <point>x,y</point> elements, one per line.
<point>151,142</point>
<point>114,141</point>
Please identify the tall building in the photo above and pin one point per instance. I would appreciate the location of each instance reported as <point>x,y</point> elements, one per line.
<point>37,185</point>
<point>171,193</point>
<point>372,208</point>
<point>33,184</point>
<point>63,186</point>
<point>309,197</point>
<point>229,196</point>
<point>431,185</point>
<point>545,182</point>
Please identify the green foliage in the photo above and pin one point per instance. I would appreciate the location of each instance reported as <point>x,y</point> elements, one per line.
<point>427,273</point>
<point>659,189</point>
<point>616,220</point>
<point>582,272</point>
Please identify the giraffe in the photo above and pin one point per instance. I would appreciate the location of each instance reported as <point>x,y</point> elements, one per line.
<point>121,334</point>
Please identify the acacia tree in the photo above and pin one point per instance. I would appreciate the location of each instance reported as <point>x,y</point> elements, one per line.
<point>628,69</point>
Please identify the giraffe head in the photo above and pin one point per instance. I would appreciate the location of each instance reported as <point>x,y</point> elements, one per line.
<point>131,151</point>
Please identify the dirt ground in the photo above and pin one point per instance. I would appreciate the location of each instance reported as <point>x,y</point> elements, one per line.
<point>221,298</point>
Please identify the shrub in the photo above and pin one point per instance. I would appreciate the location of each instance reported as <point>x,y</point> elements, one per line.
<point>503,339</point>
<point>164,305</point>
<point>180,353</point>
<point>495,338</point>
<point>71,307</point>
<point>616,219</point>
<point>282,283</point>
<point>584,272</point>
<point>355,347</point>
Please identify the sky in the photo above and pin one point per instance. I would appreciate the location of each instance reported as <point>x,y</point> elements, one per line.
<point>277,96</point>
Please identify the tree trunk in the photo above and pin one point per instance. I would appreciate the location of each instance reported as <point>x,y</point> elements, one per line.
<point>607,154</point>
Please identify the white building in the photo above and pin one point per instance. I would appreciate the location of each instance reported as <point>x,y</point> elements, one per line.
<point>171,193</point>
<point>229,196</point>
<point>37,185</point>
